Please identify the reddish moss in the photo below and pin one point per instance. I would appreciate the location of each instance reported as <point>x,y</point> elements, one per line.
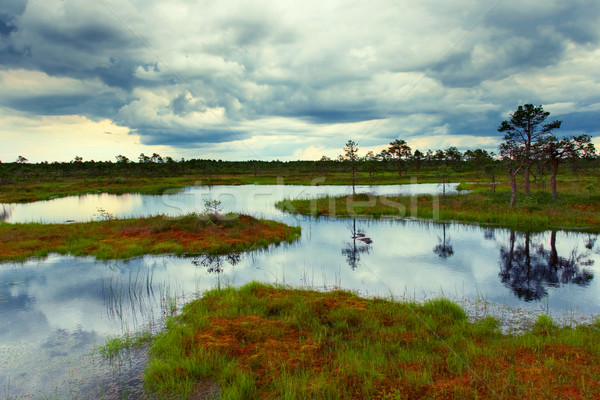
<point>266,344</point>
<point>141,236</point>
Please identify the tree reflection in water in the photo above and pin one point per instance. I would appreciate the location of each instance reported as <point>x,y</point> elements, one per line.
<point>528,268</point>
<point>444,249</point>
<point>215,262</point>
<point>4,213</point>
<point>360,244</point>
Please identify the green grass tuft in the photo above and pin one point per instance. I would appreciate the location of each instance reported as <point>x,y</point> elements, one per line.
<point>263,341</point>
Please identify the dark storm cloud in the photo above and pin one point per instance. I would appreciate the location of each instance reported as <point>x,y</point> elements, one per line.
<point>89,38</point>
<point>576,21</point>
<point>579,122</point>
<point>92,106</point>
<point>339,115</point>
<point>247,33</point>
<point>476,124</point>
<point>76,43</point>
<point>180,105</point>
<point>514,41</point>
<point>12,7</point>
<point>119,73</point>
<point>6,26</point>
<point>510,55</point>
<point>157,136</point>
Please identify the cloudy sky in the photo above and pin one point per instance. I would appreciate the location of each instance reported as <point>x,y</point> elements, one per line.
<point>272,79</point>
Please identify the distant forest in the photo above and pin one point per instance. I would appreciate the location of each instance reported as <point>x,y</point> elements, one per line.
<point>386,161</point>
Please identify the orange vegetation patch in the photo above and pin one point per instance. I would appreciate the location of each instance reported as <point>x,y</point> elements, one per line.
<point>261,345</point>
<point>338,345</point>
<point>134,237</point>
<point>213,236</point>
<point>265,346</point>
<point>557,372</point>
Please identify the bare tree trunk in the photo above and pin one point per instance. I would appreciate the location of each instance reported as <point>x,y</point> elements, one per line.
<point>513,188</point>
<point>553,262</point>
<point>513,185</point>
<point>353,179</point>
<point>528,259</point>
<point>526,183</point>
<point>553,178</point>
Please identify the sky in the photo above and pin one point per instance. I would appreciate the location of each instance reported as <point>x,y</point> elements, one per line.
<point>287,80</point>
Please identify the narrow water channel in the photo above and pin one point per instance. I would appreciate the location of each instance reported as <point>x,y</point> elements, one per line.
<point>54,312</point>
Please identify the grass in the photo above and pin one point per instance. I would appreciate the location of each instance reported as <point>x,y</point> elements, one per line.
<point>536,212</point>
<point>266,342</point>
<point>117,345</point>
<point>127,238</point>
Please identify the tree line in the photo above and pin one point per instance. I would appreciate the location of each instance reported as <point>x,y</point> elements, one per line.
<point>156,165</point>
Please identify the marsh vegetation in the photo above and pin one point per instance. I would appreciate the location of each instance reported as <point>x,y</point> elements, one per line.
<point>261,341</point>
<point>127,238</point>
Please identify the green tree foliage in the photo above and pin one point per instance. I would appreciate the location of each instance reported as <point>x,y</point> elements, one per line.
<point>372,161</point>
<point>479,158</point>
<point>143,159</point>
<point>417,159</point>
<point>121,159</point>
<point>523,129</point>
<point>452,155</point>
<point>555,151</point>
<point>399,150</point>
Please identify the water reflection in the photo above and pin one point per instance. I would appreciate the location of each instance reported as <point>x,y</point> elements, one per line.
<point>215,262</point>
<point>5,212</point>
<point>359,243</point>
<point>528,268</point>
<point>591,241</point>
<point>444,249</point>
<point>259,200</point>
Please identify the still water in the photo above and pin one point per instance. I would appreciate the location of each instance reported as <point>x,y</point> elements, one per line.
<point>54,312</point>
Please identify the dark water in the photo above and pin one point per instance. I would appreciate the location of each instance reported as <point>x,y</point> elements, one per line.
<point>54,312</point>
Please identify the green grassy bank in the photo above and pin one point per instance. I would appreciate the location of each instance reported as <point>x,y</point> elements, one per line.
<point>127,238</point>
<point>265,342</point>
<point>536,212</point>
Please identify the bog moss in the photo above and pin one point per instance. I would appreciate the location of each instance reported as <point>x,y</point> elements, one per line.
<point>266,342</point>
<point>127,238</point>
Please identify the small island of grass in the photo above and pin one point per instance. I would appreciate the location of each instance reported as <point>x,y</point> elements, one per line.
<point>127,238</point>
<point>265,342</point>
<point>536,212</point>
